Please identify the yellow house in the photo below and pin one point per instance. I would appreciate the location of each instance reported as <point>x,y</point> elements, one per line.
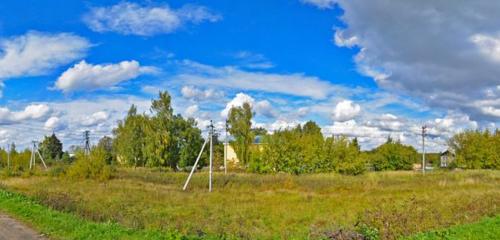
<point>231,155</point>
<point>232,158</point>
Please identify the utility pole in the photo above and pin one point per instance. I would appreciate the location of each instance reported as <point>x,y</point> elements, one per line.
<point>8,156</point>
<point>225,147</point>
<point>34,151</point>
<point>211,135</point>
<point>424,129</point>
<point>208,140</point>
<point>87,142</point>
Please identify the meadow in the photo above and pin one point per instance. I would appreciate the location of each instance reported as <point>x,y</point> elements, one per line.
<point>273,206</point>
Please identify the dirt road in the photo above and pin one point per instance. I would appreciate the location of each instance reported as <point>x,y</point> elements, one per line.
<point>11,229</point>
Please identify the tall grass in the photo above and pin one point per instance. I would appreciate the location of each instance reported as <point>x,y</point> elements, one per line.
<point>279,206</point>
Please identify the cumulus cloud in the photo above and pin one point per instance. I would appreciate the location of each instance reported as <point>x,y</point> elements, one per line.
<point>54,124</point>
<point>232,77</point>
<point>237,101</point>
<point>263,107</point>
<point>346,110</point>
<point>37,53</point>
<point>388,122</point>
<point>30,112</point>
<point>445,53</point>
<point>197,94</point>
<point>134,19</point>
<point>95,119</point>
<point>87,77</point>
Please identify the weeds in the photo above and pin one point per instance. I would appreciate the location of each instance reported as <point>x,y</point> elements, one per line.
<point>275,206</point>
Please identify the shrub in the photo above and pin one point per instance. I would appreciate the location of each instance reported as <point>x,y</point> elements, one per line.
<point>93,166</point>
<point>393,156</point>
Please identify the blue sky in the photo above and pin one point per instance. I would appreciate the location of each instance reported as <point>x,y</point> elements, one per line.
<point>364,70</point>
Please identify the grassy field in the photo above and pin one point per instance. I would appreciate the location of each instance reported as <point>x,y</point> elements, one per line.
<point>250,206</point>
<point>59,225</point>
<point>486,229</point>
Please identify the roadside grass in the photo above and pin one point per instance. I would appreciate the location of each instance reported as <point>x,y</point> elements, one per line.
<point>57,225</point>
<point>275,206</point>
<point>486,229</point>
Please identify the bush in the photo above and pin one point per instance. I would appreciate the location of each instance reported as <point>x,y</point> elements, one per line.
<point>93,166</point>
<point>58,169</point>
<point>355,167</point>
<point>393,156</point>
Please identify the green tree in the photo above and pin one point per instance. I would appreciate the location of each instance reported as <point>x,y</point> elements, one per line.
<point>260,131</point>
<point>240,126</point>
<point>393,156</point>
<point>171,140</point>
<point>130,138</point>
<point>477,149</point>
<point>51,148</point>
<point>106,144</point>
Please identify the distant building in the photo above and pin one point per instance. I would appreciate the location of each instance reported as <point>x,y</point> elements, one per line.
<point>446,158</point>
<point>232,158</point>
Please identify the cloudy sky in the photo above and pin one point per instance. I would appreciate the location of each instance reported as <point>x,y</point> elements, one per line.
<point>366,69</point>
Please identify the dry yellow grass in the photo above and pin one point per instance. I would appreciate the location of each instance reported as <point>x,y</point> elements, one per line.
<point>251,206</point>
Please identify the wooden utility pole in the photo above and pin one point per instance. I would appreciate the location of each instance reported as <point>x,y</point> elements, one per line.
<point>34,151</point>
<point>424,129</point>
<point>8,156</point>
<point>211,135</point>
<point>225,148</point>
<point>210,141</point>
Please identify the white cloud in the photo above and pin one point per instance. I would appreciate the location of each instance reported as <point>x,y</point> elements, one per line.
<point>253,60</point>
<point>197,94</point>
<point>237,101</point>
<point>87,77</point>
<point>191,111</point>
<point>133,19</point>
<point>265,108</point>
<point>488,45</point>
<point>322,4</point>
<point>387,122</point>
<point>95,119</point>
<point>346,110</point>
<point>54,124</point>
<point>30,112</point>
<point>232,77</point>
<point>445,53</point>
<point>37,53</point>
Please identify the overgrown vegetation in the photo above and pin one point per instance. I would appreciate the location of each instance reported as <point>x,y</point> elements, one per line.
<point>305,150</point>
<point>93,166</point>
<point>275,206</point>
<point>318,204</point>
<point>59,225</point>
<point>476,149</point>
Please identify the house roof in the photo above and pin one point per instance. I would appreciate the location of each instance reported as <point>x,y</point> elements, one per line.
<point>447,152</point>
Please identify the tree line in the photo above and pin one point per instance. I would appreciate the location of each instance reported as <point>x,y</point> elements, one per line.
<point>167,140</point>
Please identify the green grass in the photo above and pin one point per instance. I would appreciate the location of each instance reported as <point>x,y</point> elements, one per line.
<point>59,225</point>
<point>486,229</point>
<point>279,206</point>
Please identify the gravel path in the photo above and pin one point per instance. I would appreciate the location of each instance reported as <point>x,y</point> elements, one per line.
<point>11,229</point>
